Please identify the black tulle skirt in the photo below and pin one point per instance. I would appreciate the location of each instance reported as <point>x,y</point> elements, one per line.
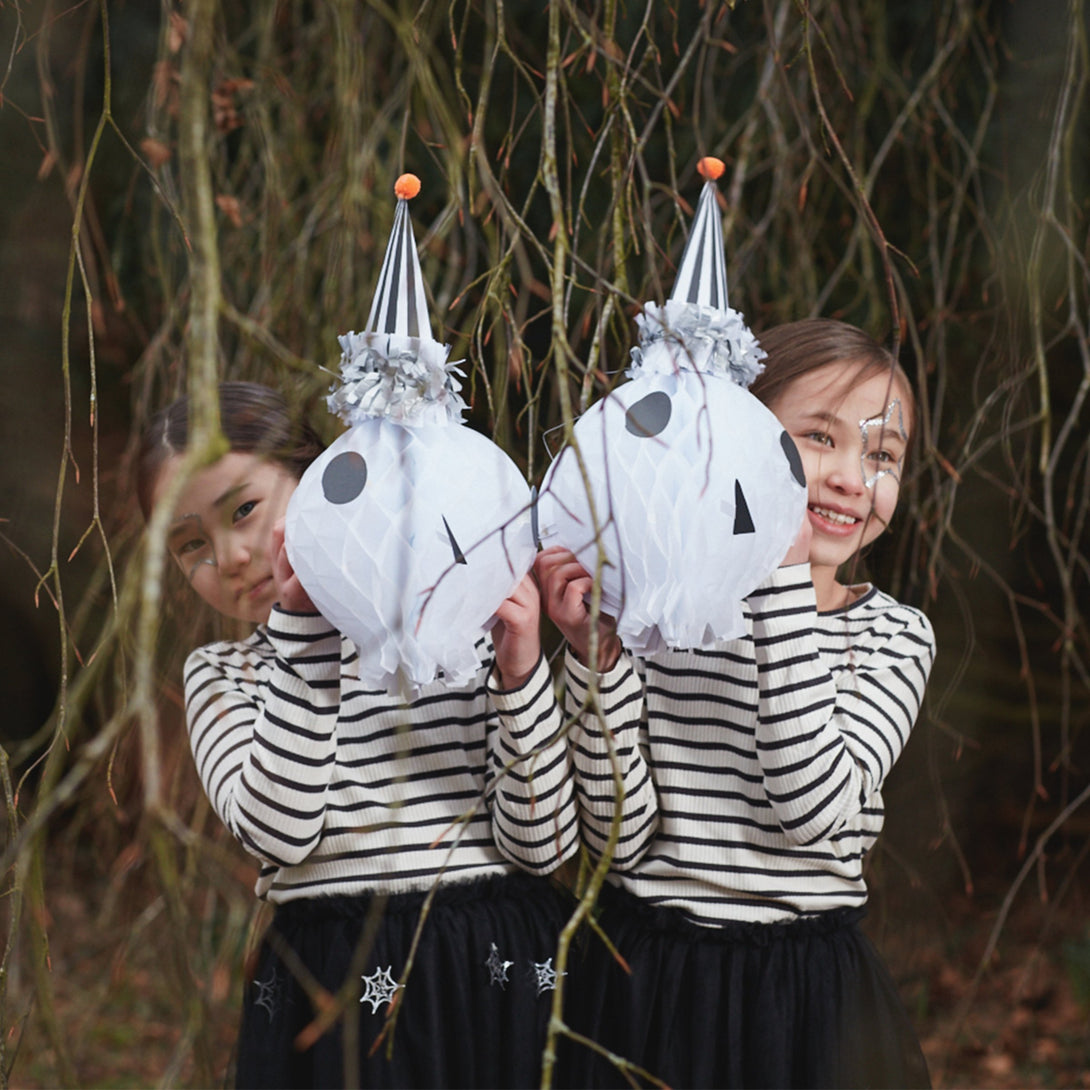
<point>474,1011</point>
<point>801,1004</point>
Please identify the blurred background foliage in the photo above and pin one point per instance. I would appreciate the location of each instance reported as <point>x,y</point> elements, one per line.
<point>919,169</point>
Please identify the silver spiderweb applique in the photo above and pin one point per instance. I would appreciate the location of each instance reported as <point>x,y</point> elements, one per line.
<point>380,987</point>
<point>883,424</point>
<point>497,968</point>
<point>545,975</point>
<point>268,993</point>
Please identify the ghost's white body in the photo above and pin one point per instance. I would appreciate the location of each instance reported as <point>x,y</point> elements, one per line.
<point>699,493</point>
<point>408,539</point>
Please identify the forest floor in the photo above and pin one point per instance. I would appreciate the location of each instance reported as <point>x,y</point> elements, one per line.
<point>1025,1023</point>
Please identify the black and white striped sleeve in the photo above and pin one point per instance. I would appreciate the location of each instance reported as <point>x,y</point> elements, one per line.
<point>608,747</point>
<point>826,743</point>
<point>534,818</point>
<point>262,733</point>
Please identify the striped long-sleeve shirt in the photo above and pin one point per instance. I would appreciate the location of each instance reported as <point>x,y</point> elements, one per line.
<point>338,789</point>
<point>752,772</point>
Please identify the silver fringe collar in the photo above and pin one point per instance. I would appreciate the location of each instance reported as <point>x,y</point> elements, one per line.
<point>689,337</point>
<point>405,379</point>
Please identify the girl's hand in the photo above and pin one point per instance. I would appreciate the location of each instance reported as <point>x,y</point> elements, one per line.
<point>799,553</point>
<point>290,593</point>
<point>516,635</point>
<point>565,584</point>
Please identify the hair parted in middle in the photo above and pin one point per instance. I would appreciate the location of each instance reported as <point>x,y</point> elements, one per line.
<point>255,419</point>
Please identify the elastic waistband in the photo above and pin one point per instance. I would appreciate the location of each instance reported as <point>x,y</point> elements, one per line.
<point>515,885</point>
<point>666,918</point>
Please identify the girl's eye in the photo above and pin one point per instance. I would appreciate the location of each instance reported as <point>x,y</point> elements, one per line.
<point>881,456</point>
<point>822,437</point>
<point>193,545</point>
<point>243,510</point>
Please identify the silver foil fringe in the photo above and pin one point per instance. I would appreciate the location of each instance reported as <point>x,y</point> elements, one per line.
<point>405,379</point>
<point>691,337</point>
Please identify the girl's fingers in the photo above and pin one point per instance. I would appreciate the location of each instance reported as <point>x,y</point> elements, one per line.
<point>278,554</point>
<point>554,559</point>
<point>290,592</point>
<point>515,635</point>
<point>556,576</point>
<point>564,599</point>
<point>522,608</point>
<point>526,593</point>
<point>574,593</point>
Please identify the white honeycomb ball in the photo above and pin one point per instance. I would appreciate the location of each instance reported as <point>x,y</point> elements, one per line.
<point>699,493</point>
<point>408,539</point>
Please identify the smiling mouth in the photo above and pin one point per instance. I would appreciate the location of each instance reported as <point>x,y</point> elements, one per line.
<point>837,517</point>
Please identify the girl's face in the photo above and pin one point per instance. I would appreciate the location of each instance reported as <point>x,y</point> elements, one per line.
<point>221,534</point>
<point>852,436</point>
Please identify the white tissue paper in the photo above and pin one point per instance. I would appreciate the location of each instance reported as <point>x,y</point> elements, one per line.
<point>408,539</point>
<point>699,493</point>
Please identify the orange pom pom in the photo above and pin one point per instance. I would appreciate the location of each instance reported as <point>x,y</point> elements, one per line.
<point>711,168</point>
<point>407,187</point>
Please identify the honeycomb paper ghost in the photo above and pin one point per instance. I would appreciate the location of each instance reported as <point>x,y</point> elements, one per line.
<point>697,489</point>
<point>411,529</point>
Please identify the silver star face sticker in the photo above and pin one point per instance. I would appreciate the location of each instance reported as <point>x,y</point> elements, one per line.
<point>380,987</point>
<point>268,991</point>
<point>545,975</point>
<point>883,424</point>
<point>497,969</point>
<point>209,560</point>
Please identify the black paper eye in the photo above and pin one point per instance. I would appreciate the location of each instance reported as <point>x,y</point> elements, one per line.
<point>743,520</point>
<point>649,415</point>
<point>344,477</point>
<point>459,556</point>
<point>793,459</point>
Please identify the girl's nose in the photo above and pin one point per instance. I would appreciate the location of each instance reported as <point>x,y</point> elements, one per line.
<point>845,474</point>
<point>233,553</point>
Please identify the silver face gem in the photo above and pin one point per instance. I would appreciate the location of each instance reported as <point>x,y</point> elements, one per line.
<point>893,421</point>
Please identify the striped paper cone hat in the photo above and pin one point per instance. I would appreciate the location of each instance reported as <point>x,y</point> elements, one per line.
<point>702,274</point>
<point>696,330</point>
<point>400,305</point>
<point>395,368</point>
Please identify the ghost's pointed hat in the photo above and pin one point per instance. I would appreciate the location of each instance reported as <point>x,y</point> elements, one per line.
<point>702,274</point>
<point>696,330</point>
<point>400,306</point>
<point>395,368</point>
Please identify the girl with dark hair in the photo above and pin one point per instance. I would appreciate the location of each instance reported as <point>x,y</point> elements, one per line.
<point>363,809</point>
<point>254,419</point>
<point>752,774</point>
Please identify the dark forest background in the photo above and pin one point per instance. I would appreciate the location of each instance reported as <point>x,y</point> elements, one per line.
<point>198,190</point>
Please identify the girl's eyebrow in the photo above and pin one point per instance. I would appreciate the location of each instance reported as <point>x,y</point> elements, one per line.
<point>887,433</point>
<point>885,426</point>
<point>219,501</point>
<point>821,416</point>
<point>182,522</point>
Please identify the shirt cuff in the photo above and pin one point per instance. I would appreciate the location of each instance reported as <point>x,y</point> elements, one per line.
<point>307,644</point>
<point>784,610</point>
<point>582,673</point>
<point>786,589</point>
<point>528,703</point>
